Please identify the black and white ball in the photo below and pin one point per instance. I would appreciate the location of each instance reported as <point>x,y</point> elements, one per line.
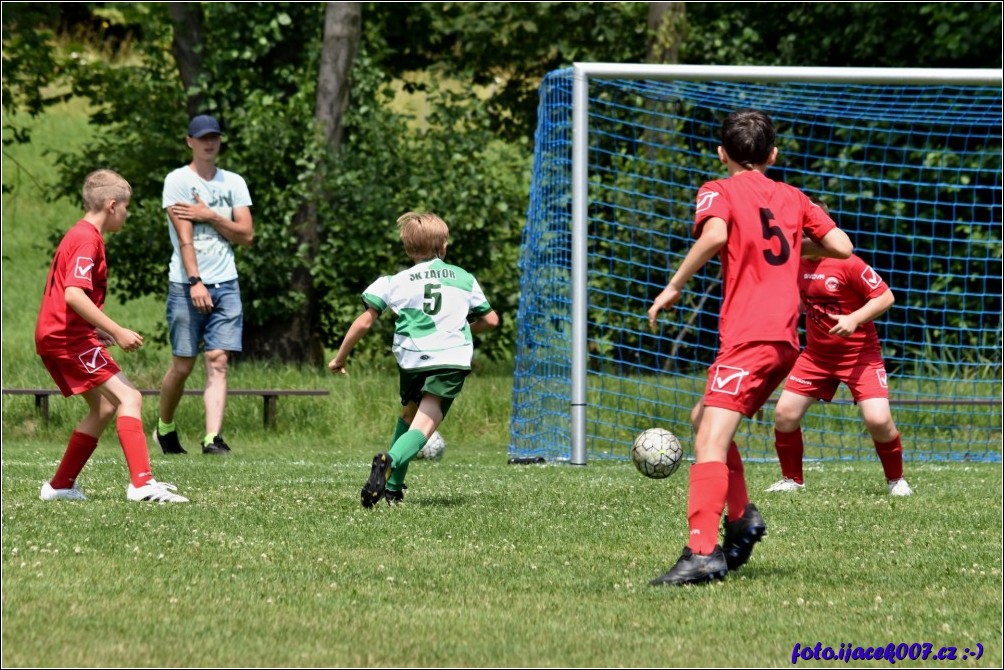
<point>656,453</point>
<point>433,449</point>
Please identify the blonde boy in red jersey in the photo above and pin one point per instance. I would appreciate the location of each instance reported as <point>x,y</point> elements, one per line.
<point>756,226</point>
<point>71,335</point>
<point>841,299</point>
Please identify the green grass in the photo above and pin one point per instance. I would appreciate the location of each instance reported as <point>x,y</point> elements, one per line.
<point>274,562</point>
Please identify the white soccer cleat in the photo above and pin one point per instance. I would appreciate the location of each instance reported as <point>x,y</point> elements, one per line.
<point>154,491</point>
<point>899,487</point>
<point>49,493</point>
<point>784,486</point>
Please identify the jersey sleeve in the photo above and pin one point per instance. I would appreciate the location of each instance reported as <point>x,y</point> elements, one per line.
<point>479,305</point>
<point>711,203</point>
<point>377,294</point>
<point>863,279</point>
<point>82,257</point>
<point>816,222</point>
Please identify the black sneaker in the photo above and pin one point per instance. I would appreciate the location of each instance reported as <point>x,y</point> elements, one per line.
<point>217,447</point>
<point>694,568</point>
<point>376,486</point>
<point>394,497</point>
<point>169,443</point>
<point>741,535</point>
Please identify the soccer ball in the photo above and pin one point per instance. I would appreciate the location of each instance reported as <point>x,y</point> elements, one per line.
<point>433,449</point>
<point>656,453</point>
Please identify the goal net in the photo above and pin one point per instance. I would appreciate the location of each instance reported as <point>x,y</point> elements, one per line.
<point>912,172</point>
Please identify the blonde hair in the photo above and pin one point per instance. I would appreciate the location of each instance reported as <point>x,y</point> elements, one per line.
<point>424,234</point>
<point>101,186</point>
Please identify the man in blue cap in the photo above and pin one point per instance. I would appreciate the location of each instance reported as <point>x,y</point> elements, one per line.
<point>208,211</point>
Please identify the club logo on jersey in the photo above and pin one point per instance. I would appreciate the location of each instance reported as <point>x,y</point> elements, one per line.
<point>82,268</point>
<point>93,359</point>
<point>728,379</point>
<point>871,277</point>
<point>883,378</point>
<point>832,284</point>
<point>704,200</point>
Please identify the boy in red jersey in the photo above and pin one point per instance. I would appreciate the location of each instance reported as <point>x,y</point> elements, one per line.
<point>756,226</point>
<point>71,335</point>
<point>841,299</point>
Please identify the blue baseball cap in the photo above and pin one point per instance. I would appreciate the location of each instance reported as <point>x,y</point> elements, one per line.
<point>203,125</point>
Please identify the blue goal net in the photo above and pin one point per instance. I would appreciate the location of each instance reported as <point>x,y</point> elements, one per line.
<point>911,172</point>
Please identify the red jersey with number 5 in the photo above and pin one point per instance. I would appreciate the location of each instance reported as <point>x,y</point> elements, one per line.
<point>832,286</point>
<point>760,260</point>
<point>80,262</point>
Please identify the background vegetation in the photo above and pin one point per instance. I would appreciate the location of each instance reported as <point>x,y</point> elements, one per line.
<point>324,205</point>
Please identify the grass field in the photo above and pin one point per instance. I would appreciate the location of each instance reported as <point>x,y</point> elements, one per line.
<point>275,564</point>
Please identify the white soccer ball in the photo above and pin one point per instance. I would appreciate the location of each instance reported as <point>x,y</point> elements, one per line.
<point>433,449</point>
<point>656,453</point>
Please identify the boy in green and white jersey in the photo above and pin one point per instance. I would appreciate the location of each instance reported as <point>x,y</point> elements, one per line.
<point>437,308</point>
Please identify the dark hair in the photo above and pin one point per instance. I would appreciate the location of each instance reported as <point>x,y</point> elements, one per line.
<point>748,137</point>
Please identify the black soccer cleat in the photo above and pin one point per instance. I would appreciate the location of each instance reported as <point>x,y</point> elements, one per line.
<point>217,447</point>
<point>694,568</point>
<point>741,535</point>
<point>376,486</point>
<point>169,443</point>
<point>394,497</point>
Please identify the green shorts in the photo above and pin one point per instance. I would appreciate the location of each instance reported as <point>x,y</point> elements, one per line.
<point>443,382</point>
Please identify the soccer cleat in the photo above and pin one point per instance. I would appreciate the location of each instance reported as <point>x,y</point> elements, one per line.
<point>49,493</point>
<point>376,486</point>
<point>169,443</point>
<point>741,535</point>
<point>154,491</point>
<point>394,497</point>
<point>217,447</point>
<point>785,485</point>
<point>899,487</point>
<point>694,568</point>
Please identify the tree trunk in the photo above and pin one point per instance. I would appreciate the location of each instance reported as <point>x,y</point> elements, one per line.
<point>187,45</point>
<point>667,25</point>
<point>298,340</point>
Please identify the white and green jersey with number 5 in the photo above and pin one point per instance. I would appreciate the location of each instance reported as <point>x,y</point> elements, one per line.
<point>432,301</point>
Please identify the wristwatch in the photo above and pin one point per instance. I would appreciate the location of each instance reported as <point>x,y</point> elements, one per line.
<point>192,281</point>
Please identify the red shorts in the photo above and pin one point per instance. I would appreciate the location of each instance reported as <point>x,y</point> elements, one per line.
<point>89,367</point>
<point>865,377</point>
<point>743,377</point>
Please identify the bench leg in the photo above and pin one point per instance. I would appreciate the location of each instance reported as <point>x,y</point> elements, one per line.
<point>269,410</point>
<point>42,407</point>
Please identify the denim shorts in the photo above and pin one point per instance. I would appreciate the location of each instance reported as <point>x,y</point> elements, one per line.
<point>220,329</point>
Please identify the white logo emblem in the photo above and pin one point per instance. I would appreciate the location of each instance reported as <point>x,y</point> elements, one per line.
<point>883,378</point>
<point>704,200</point>
<point>93,360</point>
<point>728,379</point>
<point>871,277</point>
<point>83,267</point>
<point>832,284</point>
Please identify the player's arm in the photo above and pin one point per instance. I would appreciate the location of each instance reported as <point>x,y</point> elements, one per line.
<point>79,302</point>
<point>714,235</point>
<point>485,322</point>
<point>834,244</point>
<point>846,324</point>
<point>357,330</point>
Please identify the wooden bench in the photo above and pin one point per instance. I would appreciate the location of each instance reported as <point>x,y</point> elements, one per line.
<point>269,398</point>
